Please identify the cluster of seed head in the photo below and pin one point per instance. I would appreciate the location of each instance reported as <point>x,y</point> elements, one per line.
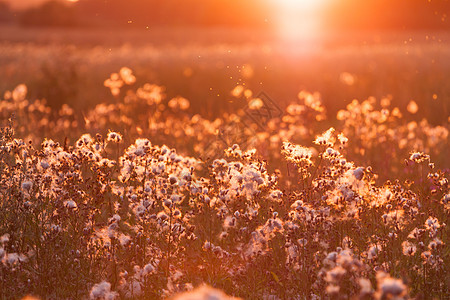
<point>145,218</point>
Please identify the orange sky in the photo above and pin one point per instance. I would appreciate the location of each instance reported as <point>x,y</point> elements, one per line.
<point>297,16</point>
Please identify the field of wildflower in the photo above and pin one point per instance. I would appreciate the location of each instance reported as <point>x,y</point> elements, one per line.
<point>139,198</point>
<point>206,179</point>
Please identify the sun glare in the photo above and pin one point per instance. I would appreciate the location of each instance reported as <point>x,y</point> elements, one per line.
<point>300,4</point>
<point>298,19</point>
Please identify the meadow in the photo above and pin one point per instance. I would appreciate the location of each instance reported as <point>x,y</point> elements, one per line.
<point>69,65</point>
<point>152,163</point>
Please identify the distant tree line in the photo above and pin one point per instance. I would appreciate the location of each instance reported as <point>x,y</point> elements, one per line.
<point>389,14</point>
<point>176,12</point>
<point>51,14</point>
<point>6,15</point>
<point>341,14</point>
<point>140,13</point>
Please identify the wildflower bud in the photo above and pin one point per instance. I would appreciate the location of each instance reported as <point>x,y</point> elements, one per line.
<point>358,173</point>
<point>167,203</point>
<point>162,216</point>
<point>177,214</point>
<point>26,185</point>
<point>207,246</point>
<point>172,179</point>
<point>71,204</point>
<point>148,269</point>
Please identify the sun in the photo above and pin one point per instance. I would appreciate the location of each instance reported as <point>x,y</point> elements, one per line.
<point>298,19</point>
<point>308,5</point>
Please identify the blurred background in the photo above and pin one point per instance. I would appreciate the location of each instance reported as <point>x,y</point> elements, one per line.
<point>342,14</point>
<point>201,49</point>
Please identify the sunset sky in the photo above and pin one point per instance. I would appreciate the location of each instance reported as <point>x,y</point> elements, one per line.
<point>287,15</point>
<point>19,4</point>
